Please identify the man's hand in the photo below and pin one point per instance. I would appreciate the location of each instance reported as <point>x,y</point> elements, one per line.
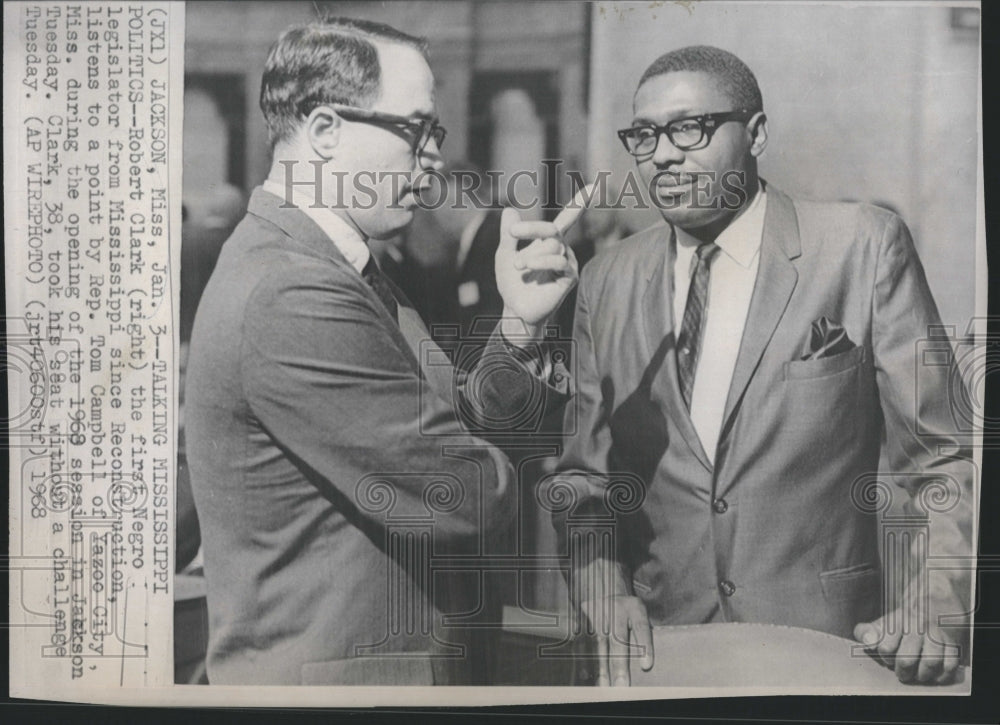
<point>910,639</point>
<point>617,622</point>
<point>534,280</point>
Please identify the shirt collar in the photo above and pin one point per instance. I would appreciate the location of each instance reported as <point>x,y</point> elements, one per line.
<point>742,238</point>
<point>345,237</point>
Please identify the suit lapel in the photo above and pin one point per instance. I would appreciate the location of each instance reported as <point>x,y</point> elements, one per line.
<point>658,324</point>
<point>776,279</point>
<point>438,369</point>
<point>410,334</point>
<point>657,317</point>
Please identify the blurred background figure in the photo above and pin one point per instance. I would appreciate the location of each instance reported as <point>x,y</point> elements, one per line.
<point>423,271</point>
<point>473,220</point>
<point>444,260</point>
<point>599,230</point>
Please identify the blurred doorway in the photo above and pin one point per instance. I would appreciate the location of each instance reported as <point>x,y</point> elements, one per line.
<point>513,126</point>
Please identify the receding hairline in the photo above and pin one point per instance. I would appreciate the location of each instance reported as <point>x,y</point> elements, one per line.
<point>378,33</point>
<point>382,44</point>
<point>380,49</point>
<point>378,40</point>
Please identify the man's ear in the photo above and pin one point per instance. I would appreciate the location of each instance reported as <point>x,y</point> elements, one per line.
<point>323,130</point>
<point>757,127</point>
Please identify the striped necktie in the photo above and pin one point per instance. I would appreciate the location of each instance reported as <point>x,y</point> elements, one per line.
<point>692,328</point>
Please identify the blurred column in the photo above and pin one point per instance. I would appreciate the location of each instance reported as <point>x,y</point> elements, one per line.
<point>518,148</point>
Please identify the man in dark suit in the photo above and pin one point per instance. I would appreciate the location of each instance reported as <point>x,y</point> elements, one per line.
<point>328,459</point>
<point>740,369</point>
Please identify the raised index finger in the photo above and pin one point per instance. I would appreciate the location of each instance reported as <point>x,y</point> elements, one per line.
<point>572,211</point>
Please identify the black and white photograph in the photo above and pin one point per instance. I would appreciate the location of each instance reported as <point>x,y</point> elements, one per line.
<point>543,351</point>
<point>462,430</point>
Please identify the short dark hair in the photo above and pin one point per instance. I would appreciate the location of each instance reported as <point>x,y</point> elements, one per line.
<point>329,61</point>
<point>733,75</point>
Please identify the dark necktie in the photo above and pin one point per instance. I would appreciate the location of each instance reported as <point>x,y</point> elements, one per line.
<point>689,339</point>
<point>378,282</point>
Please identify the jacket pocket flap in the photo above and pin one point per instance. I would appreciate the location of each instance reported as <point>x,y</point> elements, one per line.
<point>852,582</point>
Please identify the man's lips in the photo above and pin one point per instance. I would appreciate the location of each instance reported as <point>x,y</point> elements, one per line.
<point>668,181</point>
<point>412,195</point>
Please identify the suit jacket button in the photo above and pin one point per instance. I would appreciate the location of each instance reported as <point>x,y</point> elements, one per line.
<point>720,506</point>
<point>727,587</point>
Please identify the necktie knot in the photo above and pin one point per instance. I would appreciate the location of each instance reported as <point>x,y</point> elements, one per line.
<point>707,251</point>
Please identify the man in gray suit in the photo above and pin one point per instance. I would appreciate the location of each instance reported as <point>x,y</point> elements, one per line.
<point>740,370</point>
<point>328,459</point>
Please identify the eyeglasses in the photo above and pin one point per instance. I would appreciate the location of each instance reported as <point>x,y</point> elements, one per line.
<point>419,130</point>
<point>687,134</point>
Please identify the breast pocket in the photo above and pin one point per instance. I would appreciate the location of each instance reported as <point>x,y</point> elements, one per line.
<point>825,366</point>
<point>822,401</point>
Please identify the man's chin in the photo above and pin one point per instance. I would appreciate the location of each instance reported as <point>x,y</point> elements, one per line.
<point>692,219</point>
<point>401,219</point>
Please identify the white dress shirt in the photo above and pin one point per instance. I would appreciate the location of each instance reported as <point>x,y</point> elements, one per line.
<point>731,283</point>
<point>345,238</point>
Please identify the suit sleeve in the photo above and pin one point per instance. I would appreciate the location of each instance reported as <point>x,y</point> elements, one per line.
<point>512,389</point>
<point>330,383</point>
<point>579,494</point>
<point>506,389</point>
<point>920,389</point>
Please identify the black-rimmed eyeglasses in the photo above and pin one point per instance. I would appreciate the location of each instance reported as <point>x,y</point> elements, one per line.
<point>418,130</point>
<point>687,134</point>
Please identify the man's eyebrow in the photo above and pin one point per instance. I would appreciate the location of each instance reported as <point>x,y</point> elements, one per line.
<point>424,116</point>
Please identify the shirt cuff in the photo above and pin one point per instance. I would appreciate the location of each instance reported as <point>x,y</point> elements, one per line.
<point>537,359</point>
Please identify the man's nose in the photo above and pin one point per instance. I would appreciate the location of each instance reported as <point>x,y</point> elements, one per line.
<point>430,157</point>
<point>665,152</point>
